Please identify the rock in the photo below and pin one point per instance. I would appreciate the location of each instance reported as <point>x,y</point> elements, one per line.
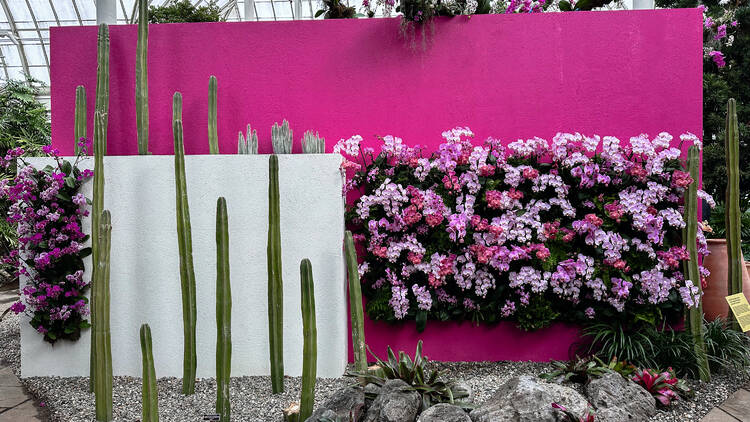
<point>396,403</point>
<point>617,399</point>
<point>372,390</point>
<point>346,402</point>
<point>528,399</point>
<point>444,412</point>
<point>461,387</point>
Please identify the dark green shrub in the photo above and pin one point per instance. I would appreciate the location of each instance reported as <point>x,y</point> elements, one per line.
<point>184,11</point>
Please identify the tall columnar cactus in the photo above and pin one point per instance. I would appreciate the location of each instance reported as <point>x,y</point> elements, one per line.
<point>79,130</point>
<point>101,109</point>
<point>310,340</point>
<point>247,145</point>
<point>695,314</point>
<point>141,78</point>
<point>733,223</point>
<point>275,283</point>
<point>103,348</point>
<point>149,391</point>
<point>355,305</point>
<point>223,312</point>
<point>185,244</point>
<point>312,143</point>
<point>281,138</point>
<point>213,134</point>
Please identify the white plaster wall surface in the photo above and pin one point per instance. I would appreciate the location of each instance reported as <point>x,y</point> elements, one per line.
<point>145,282</point>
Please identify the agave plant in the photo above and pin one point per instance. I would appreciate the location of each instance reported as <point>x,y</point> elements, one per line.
<point>432,387</point>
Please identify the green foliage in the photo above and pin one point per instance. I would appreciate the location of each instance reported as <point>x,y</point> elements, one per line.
<point>336,9</point>
<point>184,11</point>
<point>726,349</point>
<point>580,370</point>
<point>539,313</point>
<point>430,385</point>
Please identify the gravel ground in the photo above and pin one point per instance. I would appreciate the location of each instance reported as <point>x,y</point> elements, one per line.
<point>68,400</point>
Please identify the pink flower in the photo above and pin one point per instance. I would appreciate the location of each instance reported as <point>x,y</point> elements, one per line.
<point>18,307</point>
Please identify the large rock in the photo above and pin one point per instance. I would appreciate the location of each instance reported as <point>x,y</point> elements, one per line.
<point>344,403</point>
<point>444,412</point>
<point>529,399</point>
<point>397,402</point>
<point>617,399</point>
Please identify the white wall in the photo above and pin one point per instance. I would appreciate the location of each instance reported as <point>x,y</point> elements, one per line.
<point>145,282</point>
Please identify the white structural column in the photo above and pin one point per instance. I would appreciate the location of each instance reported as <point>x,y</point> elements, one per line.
<point>106,12</point>
<point>297,9</point>
<point>643,4</point>
<point>249,10</point>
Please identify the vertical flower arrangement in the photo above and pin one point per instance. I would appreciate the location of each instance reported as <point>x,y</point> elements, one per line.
<point>47,208</point>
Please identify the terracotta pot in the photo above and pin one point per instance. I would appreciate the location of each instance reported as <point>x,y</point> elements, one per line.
<point>714,302</point>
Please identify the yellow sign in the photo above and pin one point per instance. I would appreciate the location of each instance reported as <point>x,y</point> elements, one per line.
<point>740,309</point>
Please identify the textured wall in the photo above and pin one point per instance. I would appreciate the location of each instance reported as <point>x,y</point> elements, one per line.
<point>145,283</point>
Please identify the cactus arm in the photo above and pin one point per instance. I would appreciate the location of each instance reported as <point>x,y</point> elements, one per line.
<point>80,124</point>
<point>733,223</point>
<point>275,282</point>
<point>310,339</point>
<point>241,144</point>
<point>695,314</point>
<point>223,312</point>
<point>252,141</point>
<point>185,243</point>
<point>355,305</point>
<point>141,78</point>
<point>213,135</point>
<point>103,360</point>
<point>312,143</point>
<point>100,150</point>
<point>149,391</point>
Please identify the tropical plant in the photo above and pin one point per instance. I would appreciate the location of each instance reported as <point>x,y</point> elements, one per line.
<point>620,366</point>
<point>431,386</point>
<point>726,349</point>
<point>617,340</point>
<point>664,386</point>
<point>336,9</point>
<point>570,416</point>
<point>717,222</point>
<point>175,11</point>
<point>579,369</point>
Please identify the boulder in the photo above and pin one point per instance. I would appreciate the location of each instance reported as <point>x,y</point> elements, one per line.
<point>462,387</point>
<point>529,399</point>
<point>346,402</point>
<point>444,412</point>
<point>618,399</point>
<point>397,402</point>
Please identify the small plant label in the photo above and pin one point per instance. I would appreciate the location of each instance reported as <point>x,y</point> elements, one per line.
<point>740,309</point>
<point>212,417</point>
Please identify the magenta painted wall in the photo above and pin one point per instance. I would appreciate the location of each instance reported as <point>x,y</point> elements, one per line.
<point>506,76</point>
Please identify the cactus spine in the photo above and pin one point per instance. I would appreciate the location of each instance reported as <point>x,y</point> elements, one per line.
<point>223,312</point>
<point>247,145</point>
<point>149,391</point>
<point>213,134</point>
<point>80,125</point>
<point>733,224</point>
<point>101,109</point>
<point>141,78</point>
<point>275,283</point>
<point>313,143</point>
<point>185,243</point>
<point>103,360</point>
<point>281,138</point>
<point>310,339</point>
<point>355,305</point>
<point>695,314</point>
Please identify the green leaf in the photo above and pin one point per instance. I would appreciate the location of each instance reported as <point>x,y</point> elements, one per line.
<point>319,12</point>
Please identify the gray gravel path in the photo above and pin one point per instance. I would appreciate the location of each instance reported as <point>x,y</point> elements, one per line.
<point>68,400</point>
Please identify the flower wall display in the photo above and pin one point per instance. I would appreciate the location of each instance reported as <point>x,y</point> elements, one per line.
<point>47,208</point>
<point>536,231</point>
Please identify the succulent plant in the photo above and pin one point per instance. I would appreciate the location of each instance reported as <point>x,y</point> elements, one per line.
<point>213,134</point>
<point>310,339</point>
<point>185,244</point>
<point>281,138</point>
<point>733,218</point>
<point>580,370</point>
<point>313,143</point>
<point>275,282</point>
<point>223,312</point>
<point>247,145</point>
<point>141,78</point>
<point>355,304</point>
<point>149,390</point>
<point>80,123</point>
<point>102,346</point>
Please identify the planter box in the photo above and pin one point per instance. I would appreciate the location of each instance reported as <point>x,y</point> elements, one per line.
<point>145,282</point>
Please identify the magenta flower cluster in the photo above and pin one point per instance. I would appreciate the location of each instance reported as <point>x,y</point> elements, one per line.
<point>575,228</point>
<point>47,209</point>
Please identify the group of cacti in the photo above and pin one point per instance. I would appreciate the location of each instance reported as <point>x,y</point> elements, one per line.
<point>101,358</point>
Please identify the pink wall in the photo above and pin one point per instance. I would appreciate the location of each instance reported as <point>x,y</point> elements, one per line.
<point>514,76</point>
